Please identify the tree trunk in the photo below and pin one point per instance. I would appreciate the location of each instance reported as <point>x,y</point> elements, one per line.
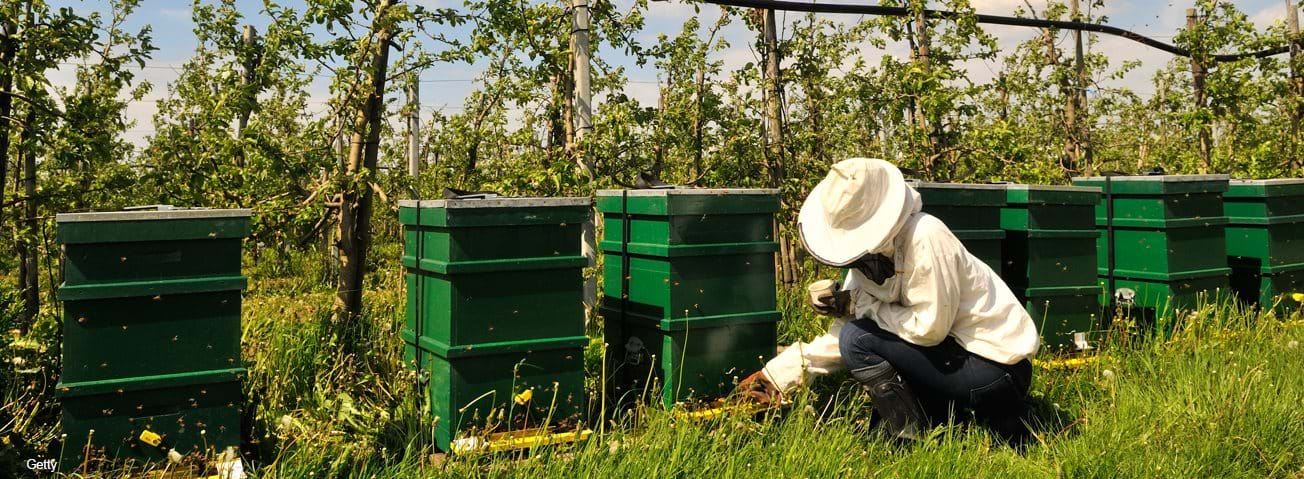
<point>698,119</point>
<point>773,101</point>
<point>30,267</point>
<point>774,124</point>
<point>1197,80</point>
<point>1296,85</point>
<point>929,121</point>
<point>355,205</point>
<point>8,48</point>
<point>1083,131</point>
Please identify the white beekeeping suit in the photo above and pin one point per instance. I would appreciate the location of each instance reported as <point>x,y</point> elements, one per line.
<point>939,289</point>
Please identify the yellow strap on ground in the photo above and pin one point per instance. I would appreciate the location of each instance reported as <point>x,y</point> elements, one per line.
<point>707,414</point>
<point>510,441</point>
<point>1065,363</point>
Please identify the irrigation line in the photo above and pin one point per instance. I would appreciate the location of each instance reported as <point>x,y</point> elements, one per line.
<point>993,20</point>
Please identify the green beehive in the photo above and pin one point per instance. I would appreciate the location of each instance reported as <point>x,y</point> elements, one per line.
<point>1066,316</point>
<point>972,212</point>
<point>1049,260</point>
<point>495,309</point>
<point>701,309</point>
<point>1050,236</point>
<point>1265,239</point>
<point>1168,235</point>
<point>151,332</point>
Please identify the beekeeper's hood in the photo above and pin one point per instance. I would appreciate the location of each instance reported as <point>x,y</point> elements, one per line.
<point>856,210</point>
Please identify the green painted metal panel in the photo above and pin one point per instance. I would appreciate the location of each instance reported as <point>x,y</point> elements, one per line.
<point>1269,289</point>
<point>1271,188</point>
<point>689,201</point>
<point>491,307</point>
<point>150,335</point>
<point>961,218</point>
<point>151,330</point>
<point>1266,245</point>
<point>468,393</point>
<point>696,286</point>
<point>971,212</point>
<point>1034,207</point>
<point>1049,258</point>
<point>495,307</point>
<point>1158,184</point>
<point>1164,253</point>
<point>500,270</point>
<point>510,212</point>
<point>1016,194</point>
<point>165,225</point>
<point>90,263</point>
<point>464,309</point>
<point>960,194</point>
<point>690,230</point>
<point>191,417</point>
<point>1063,313</point>
<point>1160,298</point>
<point>987,250</point>
<point>684,362</point>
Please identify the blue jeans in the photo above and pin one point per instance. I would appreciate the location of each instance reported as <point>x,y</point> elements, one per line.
<point>946,378</point>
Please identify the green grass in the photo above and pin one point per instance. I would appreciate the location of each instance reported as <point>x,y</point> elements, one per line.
<point>1221,397</point>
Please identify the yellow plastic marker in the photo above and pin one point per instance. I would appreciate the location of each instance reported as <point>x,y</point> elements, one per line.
<point>149,437</point>
<point>1298,297</point>
<point>1068,363</point>
<point>524,397</point>
<point>719,410</point>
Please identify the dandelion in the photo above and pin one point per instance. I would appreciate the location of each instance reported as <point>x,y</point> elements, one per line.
<point>1108,374</point>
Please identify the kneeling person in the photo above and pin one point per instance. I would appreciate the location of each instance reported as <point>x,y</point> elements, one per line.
<point>924,326</point>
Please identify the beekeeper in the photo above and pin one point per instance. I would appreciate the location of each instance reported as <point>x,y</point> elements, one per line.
<point>925,327</point>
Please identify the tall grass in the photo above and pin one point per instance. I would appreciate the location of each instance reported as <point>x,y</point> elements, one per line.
<point>1219,395</point>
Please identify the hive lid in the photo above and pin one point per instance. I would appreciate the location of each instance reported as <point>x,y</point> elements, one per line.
<point>956,186</point>
<point>1052,194</point>
<point>1158,184</point>
<point>689,201</point>
<point>691,192</point>
<point>1265,188</point>
<point>152,212</point>
<point>523,202</point>
<point>959,194</point>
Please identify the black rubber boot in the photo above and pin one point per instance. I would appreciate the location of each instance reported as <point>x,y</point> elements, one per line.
<point>893,400</point>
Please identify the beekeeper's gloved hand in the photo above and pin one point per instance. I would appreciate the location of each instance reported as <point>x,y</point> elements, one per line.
<point>876,267</point>
<point>831,301</point>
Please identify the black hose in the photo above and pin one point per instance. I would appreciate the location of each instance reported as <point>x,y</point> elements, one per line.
<point>993,20</point>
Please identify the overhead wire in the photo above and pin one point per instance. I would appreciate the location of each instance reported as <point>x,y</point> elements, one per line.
<point>842,8</point>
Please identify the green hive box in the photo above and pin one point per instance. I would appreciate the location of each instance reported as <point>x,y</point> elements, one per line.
<point>972,212</point>
<point>1066,317</point>
<point>1265,239</point>
<point>1050,236</point>
<point>495,308</point>
<point>1168,237</point>
<point>701,296</point>
<point>151,332</point>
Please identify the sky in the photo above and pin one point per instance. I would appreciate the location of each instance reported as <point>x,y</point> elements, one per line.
<point>446,86</point>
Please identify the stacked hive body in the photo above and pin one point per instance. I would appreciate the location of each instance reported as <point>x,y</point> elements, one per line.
<point>1050,259</point>
<point>972,212</point>
<point>1168,238</point>
<point>495,319</point>
<point>151,333</point>
<point>1265,240</point>
<point>701,307</point>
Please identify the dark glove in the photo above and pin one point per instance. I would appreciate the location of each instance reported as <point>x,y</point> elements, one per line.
<point>837,304</point>
<point>876,267</point>
<point>758,390</point>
